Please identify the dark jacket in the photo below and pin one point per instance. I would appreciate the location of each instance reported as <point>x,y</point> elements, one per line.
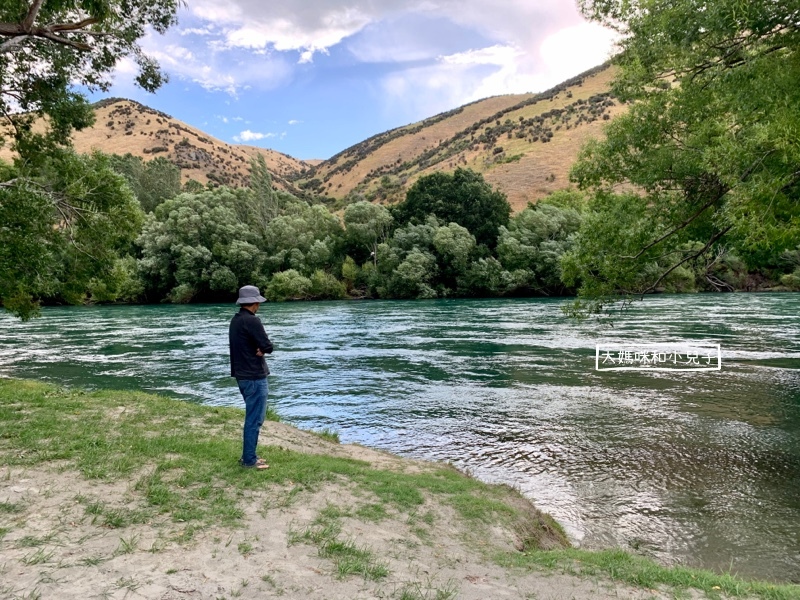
<point>246,336</point>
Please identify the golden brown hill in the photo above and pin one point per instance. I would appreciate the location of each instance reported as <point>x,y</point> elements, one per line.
<point>124,126</point>
<point>523,144</point>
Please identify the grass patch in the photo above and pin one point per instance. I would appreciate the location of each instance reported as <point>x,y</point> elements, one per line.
<point>114,518</point>
<point>348,558</point>
<point>37,558</point>
<point>329,435</point>
<point>30,541</point>
<point>372,512</point>
<point>427,591</point>
<point>190,455</point>
<point>10,508</point>
<point>645,573</point>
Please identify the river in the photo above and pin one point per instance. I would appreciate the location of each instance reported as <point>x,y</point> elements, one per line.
<point>697,468</point>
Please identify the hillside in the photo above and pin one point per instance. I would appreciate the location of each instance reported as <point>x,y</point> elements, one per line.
<point>124,126</point>
<point>523,144</point>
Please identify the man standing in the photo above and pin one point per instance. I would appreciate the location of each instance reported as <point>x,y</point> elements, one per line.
<point>248,345</point>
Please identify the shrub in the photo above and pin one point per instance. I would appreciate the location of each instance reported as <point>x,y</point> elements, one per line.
<point>288,285</point>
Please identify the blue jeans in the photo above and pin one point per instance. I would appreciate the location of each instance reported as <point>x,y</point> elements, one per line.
<point>254,392</point>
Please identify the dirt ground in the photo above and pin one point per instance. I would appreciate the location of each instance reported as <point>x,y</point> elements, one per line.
<point>52,549</point>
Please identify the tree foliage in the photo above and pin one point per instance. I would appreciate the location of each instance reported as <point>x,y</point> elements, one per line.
<point>366,226</point>
<point>61,229</point>
<point>65,219</point>
<point>710,142</point>
<point>533,244</point>
<point>195,246</point>
<point>46,47</point>
<point>152,181</point>
<point>461,197</point>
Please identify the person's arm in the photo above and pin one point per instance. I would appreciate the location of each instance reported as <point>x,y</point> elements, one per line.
<point>260,336</point>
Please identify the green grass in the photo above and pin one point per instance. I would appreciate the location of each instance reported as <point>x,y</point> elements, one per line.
<point>645,573</point>
<point>38,557</point>
<point>189,455</point>
<point>10,508</point>
<point>329,435</point>
<point>348,558</point>
<point>30,541</point>
<point>418,591</point>
<point>372,512</point>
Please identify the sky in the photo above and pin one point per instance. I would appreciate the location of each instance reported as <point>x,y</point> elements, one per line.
<point>310,78</point>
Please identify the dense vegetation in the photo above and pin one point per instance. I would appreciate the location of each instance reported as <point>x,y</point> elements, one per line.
<point>708,152</point>
<point>710,143</point>
<point>65,219</point>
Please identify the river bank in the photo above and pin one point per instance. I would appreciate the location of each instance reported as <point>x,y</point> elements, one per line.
<point>120,494</point>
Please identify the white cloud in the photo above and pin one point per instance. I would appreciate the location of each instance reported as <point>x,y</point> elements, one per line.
<point>294,122</point>
<point>578,48</point>
<point>209,63</point>
<point>457,50</point>
<point>252,136</point>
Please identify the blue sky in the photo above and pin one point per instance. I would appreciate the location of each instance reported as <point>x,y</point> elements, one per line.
<point>311,77</point>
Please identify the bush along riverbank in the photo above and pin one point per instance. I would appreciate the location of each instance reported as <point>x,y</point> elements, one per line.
<point>115,494</point>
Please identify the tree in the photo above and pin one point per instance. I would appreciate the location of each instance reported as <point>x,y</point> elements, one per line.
<point>366,226</point>
<point>454,245</point>
<point>152,181</point>
<point>265,204</point>
<point>413,277</point>
<point>47,47</point>
<point>709,141</point>
<point>461,197</point>
<point>194,246</point>
<point>305,239</point>
<point>534,242</point>
<point>62,229</point>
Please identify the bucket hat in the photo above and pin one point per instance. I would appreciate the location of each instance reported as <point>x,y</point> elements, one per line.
<point>249,294</point>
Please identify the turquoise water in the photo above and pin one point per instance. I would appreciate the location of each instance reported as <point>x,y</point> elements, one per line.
<point>697,468</point>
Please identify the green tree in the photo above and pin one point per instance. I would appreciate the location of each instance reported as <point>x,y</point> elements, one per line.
<point>265,203</point>
<point>194,246</point>
<point>413,276</point>
<point>366,226</point>
<point>288,285</point>
<point>56,228</point>
<point>305,239</point>
<point>454,246</point>
<point>709,141</point>
<point>461,197</point>
<point>152,181</point>
<point>61,229</point>
<point>486,277</point>
<point>325,286</point>
<point>534,243</point>
<point>47,47</point>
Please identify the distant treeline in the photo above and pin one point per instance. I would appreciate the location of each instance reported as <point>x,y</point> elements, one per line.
<point>153,240</point>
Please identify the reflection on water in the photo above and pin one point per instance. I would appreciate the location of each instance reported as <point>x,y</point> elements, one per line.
<point>701,468</point>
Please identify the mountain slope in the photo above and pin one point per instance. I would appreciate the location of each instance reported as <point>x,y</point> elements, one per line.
<point>523,144</point>
<point>125,126</point>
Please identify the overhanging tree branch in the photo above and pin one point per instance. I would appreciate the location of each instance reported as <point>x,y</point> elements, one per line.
<point>676,229</point>
<point>710,242</point>
<point>33,12</point>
